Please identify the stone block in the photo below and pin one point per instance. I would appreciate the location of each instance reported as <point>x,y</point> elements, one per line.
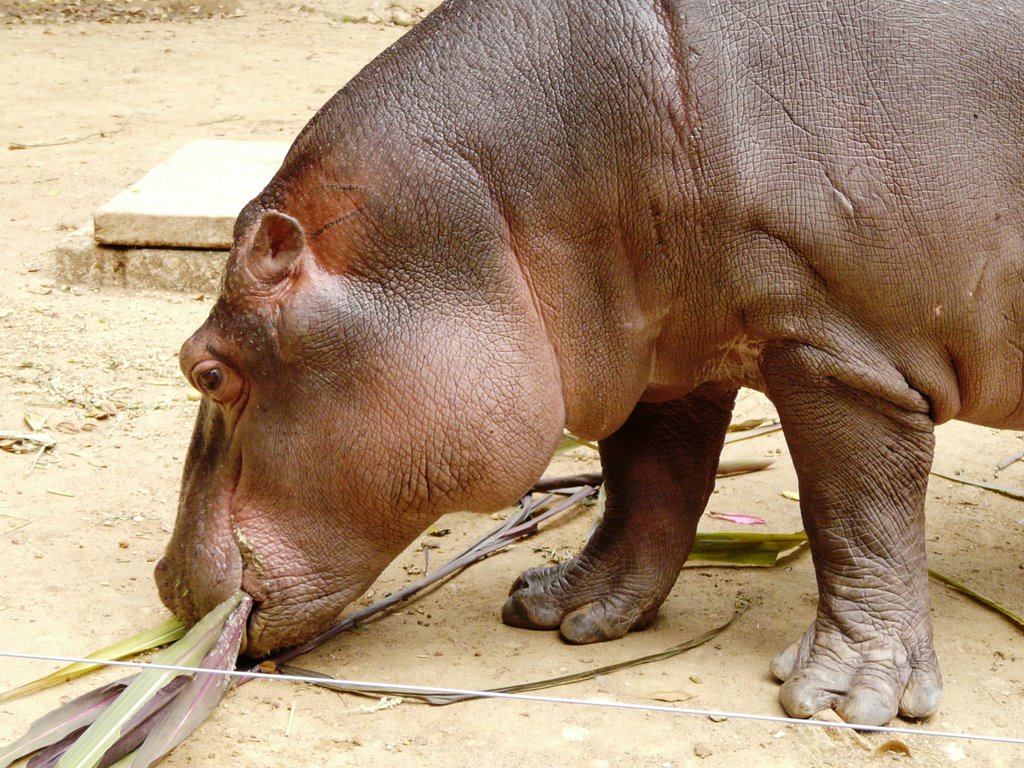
<point>80,259</point>
<point>191,199</point>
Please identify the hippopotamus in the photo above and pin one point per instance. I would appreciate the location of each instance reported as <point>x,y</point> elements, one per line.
<point>530,216</point>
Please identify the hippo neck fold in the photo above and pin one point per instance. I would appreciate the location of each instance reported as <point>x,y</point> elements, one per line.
<point>476,113</point>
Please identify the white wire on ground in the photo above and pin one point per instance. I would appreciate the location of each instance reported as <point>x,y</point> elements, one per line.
<point>387,688</point>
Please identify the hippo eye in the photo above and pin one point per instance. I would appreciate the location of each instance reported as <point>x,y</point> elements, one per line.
<point>213,378</point>
<point>210,380</point>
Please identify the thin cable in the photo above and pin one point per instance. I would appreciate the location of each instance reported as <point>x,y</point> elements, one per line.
<point>385,689</point>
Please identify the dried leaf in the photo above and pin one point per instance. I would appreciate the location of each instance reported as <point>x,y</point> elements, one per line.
<point>893,745</point>
<point>791,495</point>
<point>442,698</point>
<point>25,442</point>
<point>568,442</point>
<point>745,426</point>
<point>524,521</point>
<point>672,697</point>
<point>34,421</point>
<point>746,434</point>
<point>742,466</point>
<point>979,598</point>
<point>1012,459</point>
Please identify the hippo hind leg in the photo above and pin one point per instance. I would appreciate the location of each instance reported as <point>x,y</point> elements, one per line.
<point>659,470</point>
<point>862,458</point>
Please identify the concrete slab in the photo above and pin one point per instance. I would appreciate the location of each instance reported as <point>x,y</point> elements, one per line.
<point>80,259</point>
<point>192,198</point>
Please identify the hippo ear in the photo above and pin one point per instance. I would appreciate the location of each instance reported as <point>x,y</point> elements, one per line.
<point>278,244</point>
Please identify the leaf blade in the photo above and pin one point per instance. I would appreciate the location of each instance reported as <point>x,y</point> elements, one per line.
<point>168,632</point>
<point>442,698</point>
<point>979,598</point>
<point>742,548</point>
<point>132,736</point>
<point>747,434</point>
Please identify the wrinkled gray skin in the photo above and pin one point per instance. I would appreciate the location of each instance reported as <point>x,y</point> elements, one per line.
<point>608,216</point>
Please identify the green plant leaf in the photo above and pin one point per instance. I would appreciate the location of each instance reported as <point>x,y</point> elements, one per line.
<point>132,735</point>
<point>168,632</point>
<point>569,441</point>
<point>742,548</point>
<point>189,651</point>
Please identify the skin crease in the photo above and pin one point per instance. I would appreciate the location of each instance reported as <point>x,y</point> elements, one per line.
<point>609,216</point>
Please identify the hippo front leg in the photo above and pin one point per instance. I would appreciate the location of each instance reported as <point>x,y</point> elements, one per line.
<point>862,447</point>
<point>659,470</point>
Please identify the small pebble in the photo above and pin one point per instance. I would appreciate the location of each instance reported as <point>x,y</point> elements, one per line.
<point>575,733</point>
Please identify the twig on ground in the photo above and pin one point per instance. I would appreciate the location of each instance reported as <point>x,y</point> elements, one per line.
<point>101,134</point>
<point>438,698</point>
<point>1002,490</point>
<point>1010,460</point>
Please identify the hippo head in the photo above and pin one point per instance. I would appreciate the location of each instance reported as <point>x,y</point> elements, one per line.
<point>362,373</point>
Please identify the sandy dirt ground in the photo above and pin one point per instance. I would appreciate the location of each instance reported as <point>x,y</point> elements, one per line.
<point>82,526</point>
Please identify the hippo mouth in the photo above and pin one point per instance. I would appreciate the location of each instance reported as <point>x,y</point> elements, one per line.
<point>284,614</point>
<point>253,587</point>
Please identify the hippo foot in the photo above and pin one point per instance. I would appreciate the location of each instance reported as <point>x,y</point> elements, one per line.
<point>867,681</point>
<point>585,603</point>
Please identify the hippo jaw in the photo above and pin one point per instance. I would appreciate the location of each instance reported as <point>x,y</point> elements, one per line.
<point>221,545</point>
